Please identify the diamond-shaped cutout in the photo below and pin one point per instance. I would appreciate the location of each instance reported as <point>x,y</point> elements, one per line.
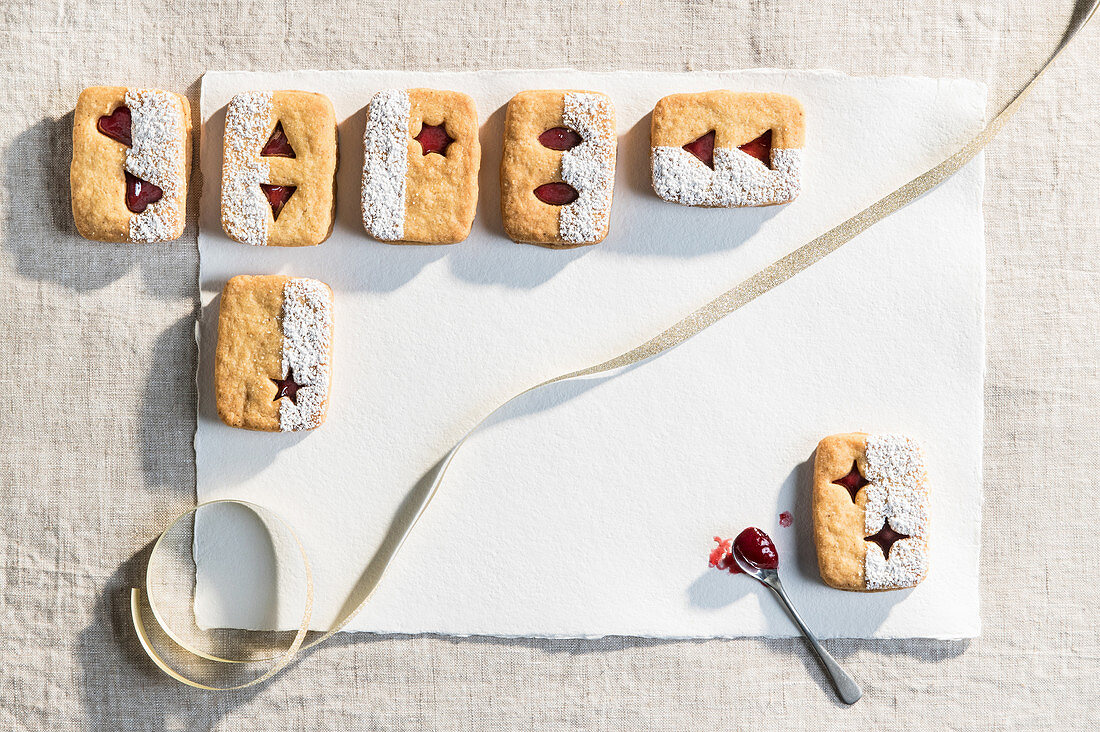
<point>278,146</point>
<point>277,196</point>
<point>885,538</point>
<point>703,148</point>
<point>853,481</point>
<point>760,148</point>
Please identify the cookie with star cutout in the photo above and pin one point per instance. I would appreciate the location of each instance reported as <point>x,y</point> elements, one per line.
<point>421,157</point>
<point>279,168</point>
<point>131,161</point>
<point>557,173</point>
<point>727,149</point>
<point>273,365</point>
<point>870,508</point>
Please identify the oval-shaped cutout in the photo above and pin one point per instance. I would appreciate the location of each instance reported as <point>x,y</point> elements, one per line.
<point>556,194</point>
<point>560,138</point>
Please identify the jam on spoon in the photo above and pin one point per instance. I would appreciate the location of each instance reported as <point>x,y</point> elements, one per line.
<point>756,548</point>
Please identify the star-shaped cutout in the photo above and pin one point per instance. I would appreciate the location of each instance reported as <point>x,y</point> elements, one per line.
<point>885,538</point>
<point>287,387</point>
<point>853,481</point>
<point>434,139</point>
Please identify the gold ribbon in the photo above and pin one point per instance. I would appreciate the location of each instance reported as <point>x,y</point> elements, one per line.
<point>748,290</point>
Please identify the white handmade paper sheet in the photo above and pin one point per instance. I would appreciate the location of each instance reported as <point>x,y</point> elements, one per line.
<point>589,508</point>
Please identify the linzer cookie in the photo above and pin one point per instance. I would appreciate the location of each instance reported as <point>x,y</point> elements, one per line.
<point>557,176</point>
<point>726,149</point>
<point>421,157</point>
<point>273,366</point>
<point>870,506</point>
<point>279,168</point>
<point>131,161</point>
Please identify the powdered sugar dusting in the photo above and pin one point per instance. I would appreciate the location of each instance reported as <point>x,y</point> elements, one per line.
<point>589,168</point>
<point>738,179</point>
<point>898,493</point>
<point>307,342</point>
<point>245,210</point>
<point>157,155</point>
<point>385,164</point>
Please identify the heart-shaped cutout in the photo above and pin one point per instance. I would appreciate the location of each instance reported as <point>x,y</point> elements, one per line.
<point>140,193</point>
<point>116,125</point>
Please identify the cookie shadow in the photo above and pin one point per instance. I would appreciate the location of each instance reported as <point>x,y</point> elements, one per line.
<point>495,259</point>
<point>378,266</point>
<point>239,454</point>
<point>41,236</point>
<point>167,403</point>
<point>672,224</point>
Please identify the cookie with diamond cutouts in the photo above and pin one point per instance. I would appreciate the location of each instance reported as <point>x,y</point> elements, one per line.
<point>871,516</point>
<point>273,365</point>
<point>557,174</point>
<point>727,149</point>
<point>131,161</point>
<point>279,168</point>
<point>421,157</point>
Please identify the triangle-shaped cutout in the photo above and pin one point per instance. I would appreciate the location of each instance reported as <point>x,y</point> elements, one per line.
<point>703,148</point>
<point>277,196</point>
<point>278,146</point>
<point>760,148</point>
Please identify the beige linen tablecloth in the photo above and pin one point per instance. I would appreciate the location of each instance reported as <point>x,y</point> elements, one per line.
<point>97,359</point>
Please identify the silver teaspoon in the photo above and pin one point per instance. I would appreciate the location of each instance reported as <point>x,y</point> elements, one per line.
<point>846,686</point>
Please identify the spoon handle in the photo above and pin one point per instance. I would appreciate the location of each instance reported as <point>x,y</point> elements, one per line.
<point>846,686</point>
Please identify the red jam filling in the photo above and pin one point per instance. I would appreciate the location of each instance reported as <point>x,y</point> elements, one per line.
<point>140,193</point>
<point>786,519</point>
<point>277,196</point>
<point>853,481</point>
<point>116,125</point>
<point>560,138</point>
<point>434,139</point>
<point>757,548</point>
<point>556,194</point>
<point>703,148</point>
<point>277,146</point>
<point>287,387</point>
<point>885,539</point>
<point>760,148</point>
<point>721,558</point>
